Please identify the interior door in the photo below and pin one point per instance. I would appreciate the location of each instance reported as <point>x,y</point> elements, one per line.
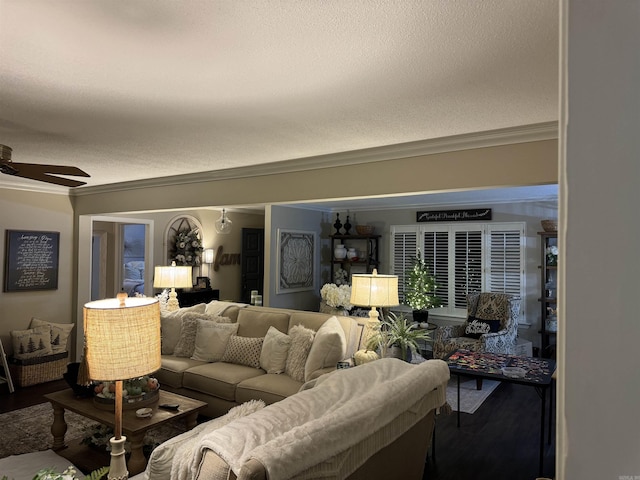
<point>252,276</point>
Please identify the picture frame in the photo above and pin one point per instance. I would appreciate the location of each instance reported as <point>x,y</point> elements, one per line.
<point>31,260</point>
<point>296,261</point>
<point>202,283</point>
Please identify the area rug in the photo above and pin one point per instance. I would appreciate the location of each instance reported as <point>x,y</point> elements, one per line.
<point>470,397</point>
<point>29,430</point>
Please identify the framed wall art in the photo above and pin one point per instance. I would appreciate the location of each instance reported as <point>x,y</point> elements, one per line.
<point>31,260</point>
<point>296,261</point>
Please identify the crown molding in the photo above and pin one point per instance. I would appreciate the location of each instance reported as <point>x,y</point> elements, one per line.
<point>489,138</point>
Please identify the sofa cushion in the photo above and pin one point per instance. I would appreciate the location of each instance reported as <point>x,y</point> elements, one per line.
<point>59,333</point>
<point>219,379</point>
<point>34,342</point>
<point>173,369</point>
<point>275,349</point>
<point>270,387</point>
<point>255,323</point>
<point>212,339</point>
<point>301,341</point>
<point>328,348</point>
<point>171,324</point>
<point>243,351</point>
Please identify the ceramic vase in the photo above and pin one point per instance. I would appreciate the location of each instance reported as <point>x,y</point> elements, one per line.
<point>340,252</point>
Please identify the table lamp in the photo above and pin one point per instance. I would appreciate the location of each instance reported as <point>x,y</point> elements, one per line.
<point>122,341</point>
<point>373,290</point>
<point>172,277</point>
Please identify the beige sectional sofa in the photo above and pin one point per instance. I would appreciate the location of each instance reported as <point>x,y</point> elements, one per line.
<point>224,385</point>
<point>373,421</point>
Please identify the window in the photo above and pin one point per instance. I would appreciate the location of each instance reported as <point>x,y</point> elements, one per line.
<point>464,258</point>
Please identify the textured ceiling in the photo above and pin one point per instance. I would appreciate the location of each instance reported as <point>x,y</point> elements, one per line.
<point>137,89</point>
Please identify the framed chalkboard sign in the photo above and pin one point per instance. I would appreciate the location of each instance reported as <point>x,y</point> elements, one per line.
<point>31,260</point>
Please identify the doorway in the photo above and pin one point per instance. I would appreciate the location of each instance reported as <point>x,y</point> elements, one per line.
<point>252,275</point>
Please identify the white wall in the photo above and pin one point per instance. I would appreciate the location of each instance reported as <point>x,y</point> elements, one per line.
<point>599,386</point>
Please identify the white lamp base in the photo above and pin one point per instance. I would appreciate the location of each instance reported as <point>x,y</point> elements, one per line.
<point>118,465</point>
<point>172,303</point>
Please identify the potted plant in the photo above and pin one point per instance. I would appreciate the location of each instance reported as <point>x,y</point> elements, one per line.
<point>419,290</point>
<point>397,337</point>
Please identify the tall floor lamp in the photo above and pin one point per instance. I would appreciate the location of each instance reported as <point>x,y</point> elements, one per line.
<point>122,341</point>
<point>172,277</point>
<point>373,290</point>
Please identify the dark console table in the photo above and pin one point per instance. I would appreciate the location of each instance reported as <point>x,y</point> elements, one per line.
<point>188,298</point>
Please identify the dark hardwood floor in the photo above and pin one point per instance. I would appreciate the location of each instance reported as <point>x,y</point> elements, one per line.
<point>498,442</point>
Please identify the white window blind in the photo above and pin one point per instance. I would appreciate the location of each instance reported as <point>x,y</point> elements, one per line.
<point>464,258</point>
<point>404,244</point>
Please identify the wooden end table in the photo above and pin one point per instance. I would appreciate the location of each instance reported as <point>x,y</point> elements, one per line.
<point>133,428</point>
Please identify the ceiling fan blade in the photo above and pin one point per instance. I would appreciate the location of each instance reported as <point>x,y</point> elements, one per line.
<point>45,177</point>
<point>29,168</point>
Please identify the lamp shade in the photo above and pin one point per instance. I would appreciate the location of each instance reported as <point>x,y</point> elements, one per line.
<point>207,255</point>
<point>122,342</point>
<point>373,290</point>
<point>172,277</point>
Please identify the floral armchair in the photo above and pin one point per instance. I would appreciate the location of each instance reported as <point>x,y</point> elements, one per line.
<point>491,326</point>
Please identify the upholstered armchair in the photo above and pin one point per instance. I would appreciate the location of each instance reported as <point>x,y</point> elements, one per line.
<point>495,313</point>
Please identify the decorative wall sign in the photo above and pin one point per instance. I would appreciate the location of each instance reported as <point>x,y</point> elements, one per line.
<point>31,260</point>
<point>296,254</point>
<point>473,214</point>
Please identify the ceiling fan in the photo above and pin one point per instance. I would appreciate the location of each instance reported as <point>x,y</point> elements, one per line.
<point>42,173</point>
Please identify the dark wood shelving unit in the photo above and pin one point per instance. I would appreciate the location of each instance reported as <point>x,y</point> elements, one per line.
<point>548,295</point>
<point>368,244</point>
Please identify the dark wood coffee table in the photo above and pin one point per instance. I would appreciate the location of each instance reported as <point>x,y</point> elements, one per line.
<point>133,428</point>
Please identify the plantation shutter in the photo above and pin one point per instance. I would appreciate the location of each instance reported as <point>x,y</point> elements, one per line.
<point>436,254</point>
<point>464,258</point>
<point>505,265</point>
<point>404,249</point>
<point>467,265</point>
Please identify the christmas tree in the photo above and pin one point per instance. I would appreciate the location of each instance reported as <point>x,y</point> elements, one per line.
<point>420,286</point>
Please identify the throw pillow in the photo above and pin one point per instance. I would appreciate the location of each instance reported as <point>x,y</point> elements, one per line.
<point>59,333</point>
<point>243,351</point>
<point>211,340</point>
<point>171,324</point>
<point>187,342</point>
<point>328,348</point>
<point>476,327</point>
<point>275,349</point>
<point>35,342</point>
<point>301,341</point>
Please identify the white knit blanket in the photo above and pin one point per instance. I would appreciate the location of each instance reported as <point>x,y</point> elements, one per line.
<point>342,409</point>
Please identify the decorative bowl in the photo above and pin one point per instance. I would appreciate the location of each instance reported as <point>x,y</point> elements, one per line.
<point>129,402</point>
<point>364,229</point>
<point>514,372</point>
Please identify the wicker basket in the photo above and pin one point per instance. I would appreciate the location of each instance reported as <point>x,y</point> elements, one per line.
<point>549,225</point>
<point>364,229</point>
<point>31,371</point>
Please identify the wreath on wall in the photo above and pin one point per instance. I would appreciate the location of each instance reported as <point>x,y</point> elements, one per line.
<point>187,247</point>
